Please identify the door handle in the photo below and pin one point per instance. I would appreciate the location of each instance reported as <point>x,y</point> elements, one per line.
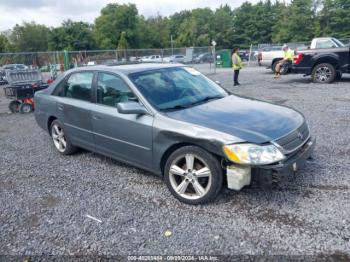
<point>96,117</point>
<point>60,107</point>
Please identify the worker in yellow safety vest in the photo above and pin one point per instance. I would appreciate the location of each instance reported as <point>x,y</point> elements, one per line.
<point>288,58</point>
<point>237,65</point>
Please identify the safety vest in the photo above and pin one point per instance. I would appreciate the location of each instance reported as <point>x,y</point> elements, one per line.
<point>238,65</point>
<point>289,54</point>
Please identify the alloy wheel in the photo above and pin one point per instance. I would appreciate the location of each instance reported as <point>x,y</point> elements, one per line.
<point>190,176</point>
<point>58,138</point>
<point>323,73</point>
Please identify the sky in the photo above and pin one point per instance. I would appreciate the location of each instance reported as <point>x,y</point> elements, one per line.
<point>53,12</point>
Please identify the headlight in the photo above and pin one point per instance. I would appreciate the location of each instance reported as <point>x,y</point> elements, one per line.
<point>253,154</point>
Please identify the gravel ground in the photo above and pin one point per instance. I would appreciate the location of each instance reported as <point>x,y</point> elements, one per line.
<point>45,197</point>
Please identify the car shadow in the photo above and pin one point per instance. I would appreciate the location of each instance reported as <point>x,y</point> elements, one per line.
<point>302,80</point>
<point>291,191</point>
<point>114,162</point>
<point>308,80</point>
<point>345,79</point>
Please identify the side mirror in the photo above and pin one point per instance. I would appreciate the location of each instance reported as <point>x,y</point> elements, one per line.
<point>131,108</point>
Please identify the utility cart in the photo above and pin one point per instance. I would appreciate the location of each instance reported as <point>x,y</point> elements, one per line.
<point>22,84</point>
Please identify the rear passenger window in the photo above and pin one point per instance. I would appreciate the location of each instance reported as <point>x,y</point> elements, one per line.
<point>78,86</point>
<point>111,90</point>
<point>325,44</point>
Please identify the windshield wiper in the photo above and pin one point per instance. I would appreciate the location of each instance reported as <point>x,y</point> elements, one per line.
<point>206,99</point>
<point>177,107</point>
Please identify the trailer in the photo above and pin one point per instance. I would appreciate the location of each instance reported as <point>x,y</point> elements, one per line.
<point>20,88</point>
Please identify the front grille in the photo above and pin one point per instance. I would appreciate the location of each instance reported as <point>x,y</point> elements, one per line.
<point>295,139</point>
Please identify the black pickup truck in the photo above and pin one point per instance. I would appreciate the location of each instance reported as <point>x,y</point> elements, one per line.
<point>324,65</point>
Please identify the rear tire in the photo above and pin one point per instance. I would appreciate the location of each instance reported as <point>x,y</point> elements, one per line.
<point>14,106</point>
<point>60,139</point>
<point>193,175</point>
<point>285,69</point>
<point>25,108</point>
<point>323,73</point>
<point>274,64</point>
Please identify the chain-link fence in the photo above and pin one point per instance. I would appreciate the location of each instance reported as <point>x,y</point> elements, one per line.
<point>202,58</point>
<point>195,56</point>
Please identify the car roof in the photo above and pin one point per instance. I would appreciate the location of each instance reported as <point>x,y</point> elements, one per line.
<point>128,68</point>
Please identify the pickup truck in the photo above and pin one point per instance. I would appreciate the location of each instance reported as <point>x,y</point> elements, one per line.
<point>269,56</point>
<point>324,65</point>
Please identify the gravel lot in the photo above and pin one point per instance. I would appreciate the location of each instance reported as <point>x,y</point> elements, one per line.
<point>45,197</point>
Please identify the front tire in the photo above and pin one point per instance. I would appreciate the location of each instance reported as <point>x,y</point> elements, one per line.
<point>193,175</point>
<point>323,73</point>
<point>60,139</point>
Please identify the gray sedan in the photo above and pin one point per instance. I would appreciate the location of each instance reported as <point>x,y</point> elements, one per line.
<point>173,121</point>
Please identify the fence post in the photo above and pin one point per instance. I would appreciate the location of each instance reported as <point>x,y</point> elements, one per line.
<point>250,53</point>
<point>65,60</point>
<point>214,54</point>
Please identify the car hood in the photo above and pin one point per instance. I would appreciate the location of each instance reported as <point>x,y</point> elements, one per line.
<point>247,119</point>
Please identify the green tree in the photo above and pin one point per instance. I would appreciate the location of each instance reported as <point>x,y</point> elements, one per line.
<point>114,20</point>
<point>243,25</point>
<point>72,36</point>
<point>4,44</point>
<point>223,26</point>
<point>192,28</point>
<point>29,37</point>
<point>335,19</point>
<point>153,32</point>
<point>297,22</point>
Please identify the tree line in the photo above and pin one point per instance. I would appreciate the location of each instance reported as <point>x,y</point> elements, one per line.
<point>121,26</point>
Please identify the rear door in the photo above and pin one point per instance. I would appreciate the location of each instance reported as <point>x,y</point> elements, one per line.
<point>73,107</point>
<point>124,136</point>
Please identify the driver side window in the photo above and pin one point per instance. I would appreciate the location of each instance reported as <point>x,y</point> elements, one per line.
<point>111,90</point>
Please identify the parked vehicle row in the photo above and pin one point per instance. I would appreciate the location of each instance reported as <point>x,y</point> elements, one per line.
<point>177,58</point>
<point>204,58</point>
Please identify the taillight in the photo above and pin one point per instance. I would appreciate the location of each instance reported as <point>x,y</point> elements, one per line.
<point>297,59</point>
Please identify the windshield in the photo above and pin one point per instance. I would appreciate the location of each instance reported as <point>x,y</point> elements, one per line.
<point>176,88</point>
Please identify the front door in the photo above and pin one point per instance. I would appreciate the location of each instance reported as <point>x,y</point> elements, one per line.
<point>124,136</point>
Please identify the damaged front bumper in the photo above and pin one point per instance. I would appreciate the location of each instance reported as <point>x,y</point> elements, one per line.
<point>265,176</point>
